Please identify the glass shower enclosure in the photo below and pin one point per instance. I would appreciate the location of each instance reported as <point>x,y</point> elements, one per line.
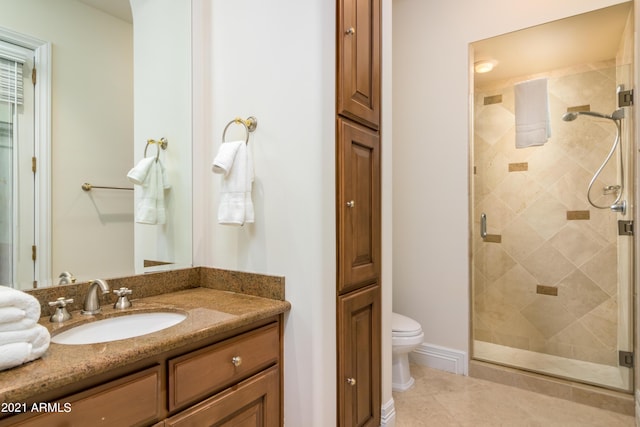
<point>552,276</point>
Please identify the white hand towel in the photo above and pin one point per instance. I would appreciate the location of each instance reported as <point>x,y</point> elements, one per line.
<point>249,215</point>
<point>225,157</point>
<point>20,347</point>
<point>533,126</point>
<point>236,206</point>
<point>151,208</point>
<point>139,172</point>
<point>14,299</point>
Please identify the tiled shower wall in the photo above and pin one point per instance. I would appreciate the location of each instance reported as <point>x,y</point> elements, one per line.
<point>545,279</point>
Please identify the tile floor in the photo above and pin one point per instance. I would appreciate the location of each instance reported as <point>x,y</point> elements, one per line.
<point>442,399</point>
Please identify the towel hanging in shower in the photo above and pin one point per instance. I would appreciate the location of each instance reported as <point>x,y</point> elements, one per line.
<point>533,126</point>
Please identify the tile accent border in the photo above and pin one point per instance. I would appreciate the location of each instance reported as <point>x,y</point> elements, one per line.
<point>547,290</point>
<point>576,392</point>
<point>578,215</point>
<point>577,108</point>
<point>444,359</point>
<point>518,167</point>
<point>492,238</point>
<point>493,99</point>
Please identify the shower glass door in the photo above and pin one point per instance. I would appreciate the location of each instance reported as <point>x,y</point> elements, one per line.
<point>552,278</point>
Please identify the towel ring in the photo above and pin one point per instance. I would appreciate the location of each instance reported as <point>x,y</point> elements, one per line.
<point>161,144</point>
<point>250,124</point>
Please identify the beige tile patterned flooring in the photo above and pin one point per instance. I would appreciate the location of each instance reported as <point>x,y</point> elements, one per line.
<point>443,399</point>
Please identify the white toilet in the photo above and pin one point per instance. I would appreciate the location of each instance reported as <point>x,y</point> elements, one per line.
<point>406,336</point>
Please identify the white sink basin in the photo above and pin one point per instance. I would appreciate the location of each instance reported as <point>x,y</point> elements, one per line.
<point>118,328</point>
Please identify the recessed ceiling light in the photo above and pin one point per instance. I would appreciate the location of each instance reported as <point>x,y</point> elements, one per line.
<point>484,66</point>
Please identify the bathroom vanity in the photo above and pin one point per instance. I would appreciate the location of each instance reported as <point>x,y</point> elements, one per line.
<point>223,362</point>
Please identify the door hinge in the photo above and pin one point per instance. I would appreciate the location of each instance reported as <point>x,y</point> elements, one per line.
<point>625,98</point>
<point>33,252</point>
<point>34,162</point>
<point>625,358</point>
<point>34,76</point>
<point>625,228</point>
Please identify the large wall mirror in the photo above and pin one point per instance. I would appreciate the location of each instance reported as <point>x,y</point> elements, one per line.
<point>119,75</point>
<point>552,282</point>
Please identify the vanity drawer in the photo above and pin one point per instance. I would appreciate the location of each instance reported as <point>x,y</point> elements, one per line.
<point>133,400</point>
<point>201,373</point>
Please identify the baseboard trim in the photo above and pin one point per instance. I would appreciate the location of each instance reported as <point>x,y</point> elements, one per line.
<point>388,414</point>
<point>437,357</point>
<point>637,407</point>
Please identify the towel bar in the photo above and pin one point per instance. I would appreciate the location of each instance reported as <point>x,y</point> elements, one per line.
<point>250,124</point>
<point>88,187</point>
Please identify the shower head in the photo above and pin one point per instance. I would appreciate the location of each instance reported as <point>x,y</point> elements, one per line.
<point>571,116</point>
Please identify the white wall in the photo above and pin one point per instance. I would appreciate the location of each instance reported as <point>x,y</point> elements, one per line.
<point>91,131</point>
<point>276,61</point>
<point>386,130</point>
<point>431,150</point>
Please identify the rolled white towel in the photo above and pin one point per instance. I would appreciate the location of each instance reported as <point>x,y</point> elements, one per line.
<point>37,334</point>
<point>18,347</point>
<point>14,354</point>
<point>17,326</point>
<point>16,306</point>
<point>11,314</point>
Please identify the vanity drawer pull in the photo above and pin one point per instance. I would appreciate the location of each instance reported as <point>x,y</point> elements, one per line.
<point>236,360</point>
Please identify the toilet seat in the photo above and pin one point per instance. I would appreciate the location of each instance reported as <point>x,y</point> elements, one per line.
<point>403,326</point>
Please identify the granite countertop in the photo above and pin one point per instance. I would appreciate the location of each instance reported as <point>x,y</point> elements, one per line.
<point>209,312</point>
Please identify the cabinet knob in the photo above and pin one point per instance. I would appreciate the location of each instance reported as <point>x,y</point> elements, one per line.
<point>236,360</point>
<point>351,204</point>
<point>351,31</point>
<point>351,381</point>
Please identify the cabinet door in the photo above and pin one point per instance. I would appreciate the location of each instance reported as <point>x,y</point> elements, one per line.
<point>358,206</point>
<point>254,402</point>
<point>359,358</point>
<point>358,90</point>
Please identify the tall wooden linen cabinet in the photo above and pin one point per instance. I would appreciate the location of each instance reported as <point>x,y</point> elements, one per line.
<point>358,212</point>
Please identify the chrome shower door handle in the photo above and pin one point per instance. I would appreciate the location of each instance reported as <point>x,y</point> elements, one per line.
<point>483,225</point>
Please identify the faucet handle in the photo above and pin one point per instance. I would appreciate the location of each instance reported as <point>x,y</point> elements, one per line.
<point>60,302</point>
<point>61,313</point>
<point>123,301</point>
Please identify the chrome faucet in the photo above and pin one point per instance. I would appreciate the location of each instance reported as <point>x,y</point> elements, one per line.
<point>91,300</point>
